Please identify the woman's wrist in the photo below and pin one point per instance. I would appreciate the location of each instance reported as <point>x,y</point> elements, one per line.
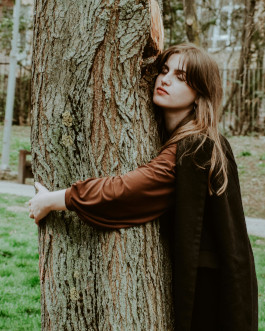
<point>56,200</point>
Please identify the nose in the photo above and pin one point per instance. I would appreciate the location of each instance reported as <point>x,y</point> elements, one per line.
<point>166,80</point>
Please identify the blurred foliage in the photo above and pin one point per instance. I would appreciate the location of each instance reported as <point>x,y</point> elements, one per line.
<point>210,15</point>
<point>174,22</point>
<point>22,91</point>
<point>22,99</point>
<point>22,102</point>
<point>6,28</point>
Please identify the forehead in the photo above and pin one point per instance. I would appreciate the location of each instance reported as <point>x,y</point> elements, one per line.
<point>176,61</point>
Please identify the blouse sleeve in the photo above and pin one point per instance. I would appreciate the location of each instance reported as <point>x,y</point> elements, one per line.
<point>135,198</point>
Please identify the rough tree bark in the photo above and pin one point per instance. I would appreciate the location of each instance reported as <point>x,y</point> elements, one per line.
<point>92,116</point>
<point>191,21</point>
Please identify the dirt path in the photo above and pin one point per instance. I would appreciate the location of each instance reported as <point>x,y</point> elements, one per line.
<point>17,189</point>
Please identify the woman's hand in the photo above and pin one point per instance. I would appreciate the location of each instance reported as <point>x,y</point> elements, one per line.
<point>44,202</point>
<point>39,205</point>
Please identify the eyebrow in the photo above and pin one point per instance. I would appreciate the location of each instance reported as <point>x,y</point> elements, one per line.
<point>177,71</point>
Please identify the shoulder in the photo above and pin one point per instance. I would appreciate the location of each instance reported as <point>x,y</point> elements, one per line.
<point>227,149</point>
<point>195,149</point>
<point>195,143</point>
<point>203,144</point>
<point>225,143</point>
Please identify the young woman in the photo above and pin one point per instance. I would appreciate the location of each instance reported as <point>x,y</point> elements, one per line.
<point>195,174</point>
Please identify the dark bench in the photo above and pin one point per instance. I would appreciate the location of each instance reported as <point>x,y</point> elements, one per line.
<point>24,166</point>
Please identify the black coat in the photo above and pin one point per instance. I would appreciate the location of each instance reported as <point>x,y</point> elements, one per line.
<point>224,214</point>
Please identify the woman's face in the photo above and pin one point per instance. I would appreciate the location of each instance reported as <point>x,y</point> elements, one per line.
<point>171,93</point>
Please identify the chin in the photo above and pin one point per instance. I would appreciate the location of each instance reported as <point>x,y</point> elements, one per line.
<point>157,102</point>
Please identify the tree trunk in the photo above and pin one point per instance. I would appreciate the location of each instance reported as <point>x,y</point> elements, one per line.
<point>191,21</point>
<point>92,116</point>
<point>241,83</point>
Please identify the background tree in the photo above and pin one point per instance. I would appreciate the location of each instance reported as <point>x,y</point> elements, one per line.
<point>174,22</point>
<point>22,91</point>
<point>247,80</point>
<point>92,115</point>
<point>192,28</point>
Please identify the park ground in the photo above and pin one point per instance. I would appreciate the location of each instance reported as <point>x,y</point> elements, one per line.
<point>19,280</point>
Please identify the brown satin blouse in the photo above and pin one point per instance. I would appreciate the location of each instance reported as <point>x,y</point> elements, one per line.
<point>137,197</point>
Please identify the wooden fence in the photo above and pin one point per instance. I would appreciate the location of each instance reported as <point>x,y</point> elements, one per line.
<point>245,113</point>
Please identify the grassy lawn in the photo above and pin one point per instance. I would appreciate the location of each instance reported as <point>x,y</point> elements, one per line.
<point>19,279</point>
<point>258,245</point>
<point>250,157</point>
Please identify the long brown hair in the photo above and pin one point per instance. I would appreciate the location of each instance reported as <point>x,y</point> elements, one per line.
<point>202,74</point>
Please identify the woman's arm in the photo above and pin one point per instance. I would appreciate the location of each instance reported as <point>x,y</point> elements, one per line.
<point>137,197</point>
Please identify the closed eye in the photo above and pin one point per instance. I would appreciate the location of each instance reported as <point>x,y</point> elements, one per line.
<point>180,74</point>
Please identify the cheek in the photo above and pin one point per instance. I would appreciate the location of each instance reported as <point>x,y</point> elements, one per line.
<point>188,93</point>
<point>193,94</point>
<point>158,81</point>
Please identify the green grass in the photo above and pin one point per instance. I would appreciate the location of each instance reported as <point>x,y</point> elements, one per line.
<point>19,278</point>
<point>258,245</point>
<point>250,157</point>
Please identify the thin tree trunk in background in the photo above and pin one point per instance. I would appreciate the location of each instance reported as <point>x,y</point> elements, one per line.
<point>244,65</point>
<point>191,21</point>
<point>240,84</point>
<point>92,116</point>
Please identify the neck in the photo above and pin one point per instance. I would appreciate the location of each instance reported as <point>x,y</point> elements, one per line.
<point>172,119</point>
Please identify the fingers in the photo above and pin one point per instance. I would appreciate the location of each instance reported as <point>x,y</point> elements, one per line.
<point>34,214</point>
<point>38,186</point>
<point>31,215</point>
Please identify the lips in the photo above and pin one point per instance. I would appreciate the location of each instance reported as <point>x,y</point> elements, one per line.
<point>160,90</point>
